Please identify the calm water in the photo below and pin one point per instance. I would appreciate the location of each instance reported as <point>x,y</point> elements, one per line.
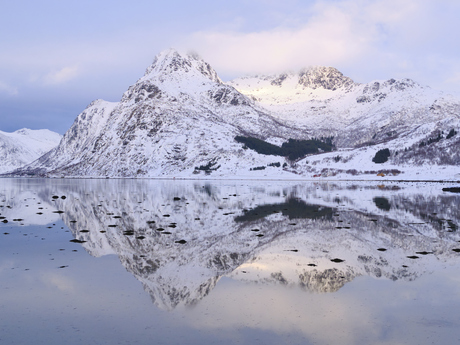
<point>234,262</point>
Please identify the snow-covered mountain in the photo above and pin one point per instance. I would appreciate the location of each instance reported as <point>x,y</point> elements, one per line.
<point>24,146</point>
<point>180,119</point>
<point>322,99</point>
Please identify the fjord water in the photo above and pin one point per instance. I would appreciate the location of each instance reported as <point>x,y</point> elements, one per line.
<point>228,262</point>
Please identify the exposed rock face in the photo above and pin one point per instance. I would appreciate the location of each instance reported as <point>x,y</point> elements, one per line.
<point>327,78</point>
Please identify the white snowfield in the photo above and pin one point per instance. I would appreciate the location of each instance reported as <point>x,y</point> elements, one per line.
<point>24,146</point>
<point>180,120</point>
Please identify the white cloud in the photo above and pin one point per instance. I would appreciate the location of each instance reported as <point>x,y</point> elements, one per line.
<point>61,76</point>
<point>7,89</point>
<point>372,38</point>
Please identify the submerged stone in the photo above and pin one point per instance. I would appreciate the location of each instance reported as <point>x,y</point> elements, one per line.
<point>77,241</point>
<point>337,260</point>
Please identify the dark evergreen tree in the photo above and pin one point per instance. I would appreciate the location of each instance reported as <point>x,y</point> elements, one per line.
<point>381,156</point>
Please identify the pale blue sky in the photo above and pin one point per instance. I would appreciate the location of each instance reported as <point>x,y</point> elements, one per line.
<point>58,56</point>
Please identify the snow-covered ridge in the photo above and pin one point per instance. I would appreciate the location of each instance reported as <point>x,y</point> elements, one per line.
<point>24,146</point>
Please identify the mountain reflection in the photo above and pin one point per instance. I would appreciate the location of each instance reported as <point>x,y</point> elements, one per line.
<point>178,238</point>
<point>292,208</point>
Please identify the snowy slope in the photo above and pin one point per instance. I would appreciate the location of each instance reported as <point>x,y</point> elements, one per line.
<point>24,146</point>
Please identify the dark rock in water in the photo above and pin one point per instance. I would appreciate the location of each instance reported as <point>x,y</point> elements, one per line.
<point>337,260</point>
<point>181,241</point>
<point>452,189</point>
<point>77,241</point>
<point>382,250</point>
<point>424,253</point>
<point>413,257</point>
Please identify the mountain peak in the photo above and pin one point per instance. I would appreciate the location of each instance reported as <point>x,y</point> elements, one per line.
<point>328,78</point>
<point>170,62</point>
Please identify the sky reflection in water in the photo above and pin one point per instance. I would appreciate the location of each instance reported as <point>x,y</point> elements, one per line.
<point>236,262</point>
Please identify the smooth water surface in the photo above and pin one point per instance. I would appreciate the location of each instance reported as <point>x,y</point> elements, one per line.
<point>228,262</point>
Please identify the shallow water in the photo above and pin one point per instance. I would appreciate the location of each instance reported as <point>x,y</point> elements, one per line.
<point>228,262</point>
